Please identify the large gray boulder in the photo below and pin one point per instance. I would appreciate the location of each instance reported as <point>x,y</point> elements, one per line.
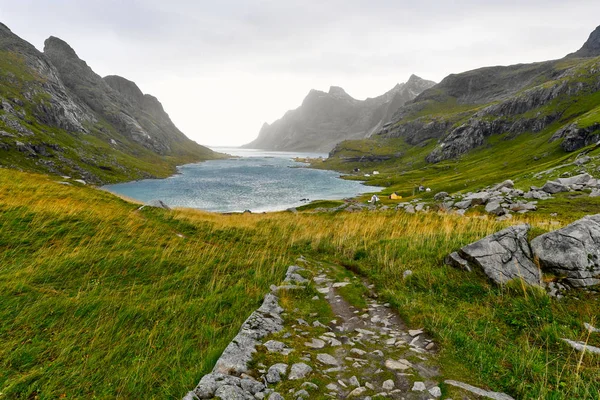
<point>554,187</point>
<point>572,252</point>
<point>504,256</point>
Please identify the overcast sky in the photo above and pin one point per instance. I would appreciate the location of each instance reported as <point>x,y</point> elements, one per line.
<point>222,68</point>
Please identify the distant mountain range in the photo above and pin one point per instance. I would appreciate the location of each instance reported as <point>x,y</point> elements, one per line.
<point>58,116</point>
<point>558,98</point>
<point>327,118</point>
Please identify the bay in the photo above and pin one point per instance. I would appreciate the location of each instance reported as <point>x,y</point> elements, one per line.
<point>256,180</point>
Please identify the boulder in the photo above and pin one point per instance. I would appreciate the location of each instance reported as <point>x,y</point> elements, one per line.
<point>440,196</point>
<point>572,252</point>
<point>494,207</point>
<point>504,256</point>
<point>554,187</point>
<point>581,179</point>
<point>478,198</point>
<point>506,184</point>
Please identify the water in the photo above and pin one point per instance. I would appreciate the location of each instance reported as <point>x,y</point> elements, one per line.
<point>257,181</point>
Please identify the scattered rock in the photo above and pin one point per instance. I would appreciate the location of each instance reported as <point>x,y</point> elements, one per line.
<point>299,371</point>
<point>315,344</point>
<point>388,385</point>
<point>400,365</point>
<point>419,387</point>
<point>357,392</point>
<point>276,372</point>
<point>327,359</point>
<point>435,391</point>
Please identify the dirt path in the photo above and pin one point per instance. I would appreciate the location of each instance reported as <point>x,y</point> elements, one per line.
<point>333,340</point>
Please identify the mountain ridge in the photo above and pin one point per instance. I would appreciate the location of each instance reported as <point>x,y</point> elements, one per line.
<point>466,110</point>
<point>326,118</point>
<point>58,116</point>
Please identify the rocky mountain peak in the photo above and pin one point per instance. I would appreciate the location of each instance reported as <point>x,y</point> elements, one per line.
<point>4,29</point>
<point>59,46</point>
<point>591,48</point>
<point>127,88</point>
<point>337,91</point>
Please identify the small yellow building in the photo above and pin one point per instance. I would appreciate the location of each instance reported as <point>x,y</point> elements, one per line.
<point>395,196</point>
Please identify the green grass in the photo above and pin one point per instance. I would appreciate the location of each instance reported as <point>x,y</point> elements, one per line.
<point>100,299</point>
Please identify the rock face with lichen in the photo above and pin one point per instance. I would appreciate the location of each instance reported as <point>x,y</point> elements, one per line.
<point>572,252</point>
<point>504,256</point>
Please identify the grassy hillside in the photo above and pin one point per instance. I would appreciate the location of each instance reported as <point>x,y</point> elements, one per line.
<point>102,299</point>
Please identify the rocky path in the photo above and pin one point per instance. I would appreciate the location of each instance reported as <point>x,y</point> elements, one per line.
<point>323,334</point>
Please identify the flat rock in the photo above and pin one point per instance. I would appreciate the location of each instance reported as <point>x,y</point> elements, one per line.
<point>299,371</point>
<point>327,359</point>
<point>504,256</point>
<point>273,346</point>
<point>581,346</point>
<point>478,391</point>
<point>340,284</point>
<point>400,365</point>
<point>573,251</point>
<point>357,392</point>
<point>419,387</point>
<point>315,344</point>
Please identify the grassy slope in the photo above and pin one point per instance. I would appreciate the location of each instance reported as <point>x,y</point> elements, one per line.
<point>501,157</point>
<point>90,152</point>
<point>100,299</point>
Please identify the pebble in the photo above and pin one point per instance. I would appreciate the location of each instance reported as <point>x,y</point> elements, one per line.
<point>358,352</point>
<point>354,381</point>
<point>333,386</point>
<point>419,387</point>
<point>388,385</point>
<point>315,344</point>
<point>415,332</point>
<point>435,391</point>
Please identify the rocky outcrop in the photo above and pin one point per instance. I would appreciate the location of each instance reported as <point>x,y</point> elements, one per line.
<point>325,119</point>
<point>572,252</point>
<point>503,256</point>
<point>58,116</point>
<point>464,110</point>
<point>591,48</point>
<point>574,137</point>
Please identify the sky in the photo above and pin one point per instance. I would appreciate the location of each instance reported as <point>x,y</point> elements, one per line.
<point>223,68</point>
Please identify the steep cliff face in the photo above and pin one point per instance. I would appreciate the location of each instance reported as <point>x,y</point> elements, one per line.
<point>58,116</point>
<point>327,118</point>
<point>591,48</point>
<point>466,109</point>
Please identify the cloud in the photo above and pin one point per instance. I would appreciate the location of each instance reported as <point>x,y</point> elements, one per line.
<point>230,65</point>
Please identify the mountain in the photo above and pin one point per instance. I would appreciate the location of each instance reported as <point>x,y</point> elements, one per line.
<point>327,118</point>
<point>557,99</point>
<point>58,116</point>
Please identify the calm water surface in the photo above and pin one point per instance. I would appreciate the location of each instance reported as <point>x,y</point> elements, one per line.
<point>257,181</point>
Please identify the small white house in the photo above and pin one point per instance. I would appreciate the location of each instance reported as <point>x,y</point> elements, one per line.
<point>375,172</point>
